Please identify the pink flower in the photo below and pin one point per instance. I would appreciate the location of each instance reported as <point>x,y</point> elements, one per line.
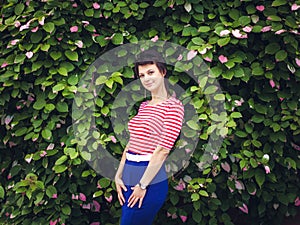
<point>113,139</point>
<point>53,222</point>
<point>297,201</point>
<point>23,27</point>
<point>96,206</point>
<point>86,206</point>
<point>154,39</point>
<point>260,8</point>
<point>224,33</point>
<point>50,146</point>
<point>223,59</point>
<point>9,176</point>
<point>215,157</point>
<point>244,208</point>
<point>297,61</point>
<point>74,197</point>
<point>4,64</point>
<point>95,223</point>
<point>82,197</point>
<point>74,29</point>
<point>79,44</point>
<point>43,153</point>
<point>208,59</point>
<point>295,7</point>
<point>180,186</point>
<point>179,57</point>
<point>253,193</point>
<point>187,150</point>
<point>267,169</point>
<point>247,29</point>
<point>239,102</point>
<point>272,83</point>
<point>29,55</point>
<point>17,23</point>
<point>34,29</point>
<point>191,54</point>
<point>281,99</point>
<point>109,199</point>
<point>42,21</point>
<point>236,33</point>
<point>280,31</point>
<point>225,166</point>
<point>85,23</point>
<point>75,5</point>
<point>183,218</point>
<point>96,5</point>
<point>14,42</point>
<point>239,185</point>
<point>54,196</point>
<point>266,29</point>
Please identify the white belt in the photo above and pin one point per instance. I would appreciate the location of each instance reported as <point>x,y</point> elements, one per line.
<point>138,158</point>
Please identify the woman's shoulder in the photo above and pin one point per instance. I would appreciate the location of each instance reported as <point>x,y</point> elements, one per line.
<point>174,101</point>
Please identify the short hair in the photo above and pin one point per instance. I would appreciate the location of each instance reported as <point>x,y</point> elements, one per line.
<point>147,57</point>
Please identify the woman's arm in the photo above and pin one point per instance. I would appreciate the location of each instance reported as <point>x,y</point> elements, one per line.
<point>159,156</point>
<point>118,177</point>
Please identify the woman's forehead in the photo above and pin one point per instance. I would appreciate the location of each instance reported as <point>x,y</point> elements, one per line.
<point>146,67</point>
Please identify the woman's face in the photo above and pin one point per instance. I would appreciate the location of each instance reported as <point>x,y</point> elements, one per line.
<point>151,78</point>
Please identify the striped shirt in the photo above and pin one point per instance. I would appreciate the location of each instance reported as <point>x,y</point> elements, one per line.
<point>155,125</point>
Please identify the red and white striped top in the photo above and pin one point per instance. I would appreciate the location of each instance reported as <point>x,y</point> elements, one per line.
<point>155,125</point>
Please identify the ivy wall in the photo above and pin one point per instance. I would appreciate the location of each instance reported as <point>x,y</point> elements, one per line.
<point>252,48</point>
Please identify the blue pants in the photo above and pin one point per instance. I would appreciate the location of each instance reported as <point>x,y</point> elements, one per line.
<point>154,199</point>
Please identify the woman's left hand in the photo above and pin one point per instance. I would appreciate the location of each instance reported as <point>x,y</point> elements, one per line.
<point>138,194</point>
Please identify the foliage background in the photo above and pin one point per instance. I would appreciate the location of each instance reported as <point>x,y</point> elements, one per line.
<point>252,48</point>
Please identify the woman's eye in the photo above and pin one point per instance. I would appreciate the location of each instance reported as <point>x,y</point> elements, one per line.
<point>151,72</point>
<point>141,76</point>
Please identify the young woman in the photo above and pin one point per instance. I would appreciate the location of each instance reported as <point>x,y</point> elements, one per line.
<point>141,179</point>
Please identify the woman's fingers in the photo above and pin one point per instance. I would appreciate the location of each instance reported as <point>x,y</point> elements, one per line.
<point>140,202</point>
<point>120,193</point>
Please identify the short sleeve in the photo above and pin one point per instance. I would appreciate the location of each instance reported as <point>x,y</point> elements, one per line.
<point>172,125</point>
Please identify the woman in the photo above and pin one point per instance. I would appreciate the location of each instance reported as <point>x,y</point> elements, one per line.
<point>141,179</point>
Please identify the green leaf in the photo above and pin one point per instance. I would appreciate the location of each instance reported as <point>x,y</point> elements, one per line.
<point>279,3</point>
<point>203,193</point>
<point>61,160</point>
<point>40,102</point>
<point>55,55</point>
<point>272,48</point>
<point>50,191</point>
<point>46,134</point>
<point>62,71</point>
<point>62,107</point>
<point>159,3</point>
<point>223,41</point>
<point>58,87</point>
<point>72,55</point>
<point>19,9</point>
<point>192,124</point>
<point>2,192</point>
<point>117,39</point>
<point>260,177</point>
<point>66,210</point>
<point>60,168</point>
<point>197,216</point>
<point>195,197</point>
<point>49,27</point>
<point>281,55</point>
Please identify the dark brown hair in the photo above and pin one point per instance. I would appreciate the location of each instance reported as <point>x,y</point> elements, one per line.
<point>149,57</point>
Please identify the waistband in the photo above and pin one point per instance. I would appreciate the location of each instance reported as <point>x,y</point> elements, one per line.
<point>137,158</point>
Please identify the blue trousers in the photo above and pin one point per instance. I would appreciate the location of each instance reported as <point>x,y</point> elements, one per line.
<point>154,199</point>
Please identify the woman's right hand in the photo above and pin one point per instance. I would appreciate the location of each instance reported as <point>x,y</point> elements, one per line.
<point>120,186</point>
